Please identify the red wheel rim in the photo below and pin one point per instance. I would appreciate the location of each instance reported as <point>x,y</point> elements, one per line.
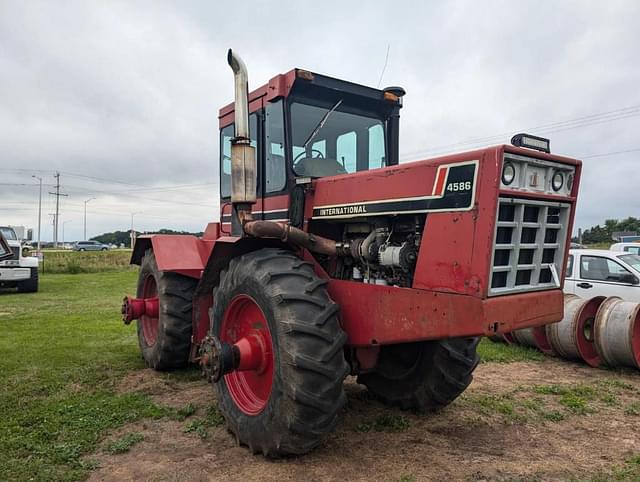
<point>585,332</point>
<point>149,324</point>
<point>542,342</point>
<point>249,389</point>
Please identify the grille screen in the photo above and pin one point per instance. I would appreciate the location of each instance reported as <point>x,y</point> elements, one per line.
<point>529,245</point>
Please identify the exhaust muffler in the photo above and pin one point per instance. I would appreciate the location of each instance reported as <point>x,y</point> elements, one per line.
<point>243,155</point>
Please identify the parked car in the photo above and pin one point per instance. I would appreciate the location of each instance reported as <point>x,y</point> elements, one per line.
<point>633,248</point>
<point>600,272</point>
<point>90,246</point>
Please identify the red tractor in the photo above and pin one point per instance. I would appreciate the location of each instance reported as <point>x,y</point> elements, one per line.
<point>331,258</point>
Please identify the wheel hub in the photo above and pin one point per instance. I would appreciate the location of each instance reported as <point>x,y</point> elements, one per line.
<point>243,355</point>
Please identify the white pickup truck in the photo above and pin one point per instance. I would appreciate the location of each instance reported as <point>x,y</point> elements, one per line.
<point>599,272</point>
<point>17,271</point>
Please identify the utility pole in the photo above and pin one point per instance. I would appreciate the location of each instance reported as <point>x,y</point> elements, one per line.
<point>133,233</point>
<point>57,194</point>
<point>39,210</point>
<point>85,218</point>
<point>63,223</point>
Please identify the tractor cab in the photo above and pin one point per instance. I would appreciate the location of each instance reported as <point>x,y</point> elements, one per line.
<point>306,125</point>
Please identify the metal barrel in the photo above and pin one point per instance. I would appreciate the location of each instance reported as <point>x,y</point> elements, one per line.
<point>524,337</point>
<point>562,335</point>
<point>585,338</point>
<point>541,340</point>
<point>617,332</point>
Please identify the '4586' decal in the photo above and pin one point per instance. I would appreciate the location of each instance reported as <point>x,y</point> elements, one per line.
<point>459,186</point>
<point>453,190</point>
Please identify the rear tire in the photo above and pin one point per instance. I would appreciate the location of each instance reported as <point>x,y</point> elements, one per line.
<point>424,376</point>
<point>169,347</point>
<point>307,342</point>
<point>30,285</point>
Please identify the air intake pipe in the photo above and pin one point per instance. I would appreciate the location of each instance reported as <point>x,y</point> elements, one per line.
<point>243,155</point>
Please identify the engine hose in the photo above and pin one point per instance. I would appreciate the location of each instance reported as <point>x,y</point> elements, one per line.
<point>288,233</point>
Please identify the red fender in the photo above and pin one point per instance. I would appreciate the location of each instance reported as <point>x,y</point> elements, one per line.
<point>183,254</point>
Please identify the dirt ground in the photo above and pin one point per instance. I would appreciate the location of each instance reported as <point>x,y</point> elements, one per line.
<point>511,424</point>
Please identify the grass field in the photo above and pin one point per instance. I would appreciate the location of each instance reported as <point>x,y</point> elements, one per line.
<point>74,262</point>
<point>64,351</point>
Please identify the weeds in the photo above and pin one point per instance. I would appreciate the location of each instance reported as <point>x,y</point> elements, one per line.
<point>212,418</point>
<point>633,409</point>
<point>73,262</point>
<point>385,423</point>
<point>185,412</point>
<point>198,427</point>
<point>124,443</point>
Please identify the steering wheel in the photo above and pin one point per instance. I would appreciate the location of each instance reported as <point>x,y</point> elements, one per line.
<point>304,153</point>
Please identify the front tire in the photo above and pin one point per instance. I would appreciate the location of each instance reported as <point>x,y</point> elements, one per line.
<point>165,341</point>
<point>30,285</point>
<point>424,376</point>
<point>290,406</point>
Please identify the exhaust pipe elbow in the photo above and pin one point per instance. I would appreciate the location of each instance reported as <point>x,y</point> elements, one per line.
<point>241,83</point>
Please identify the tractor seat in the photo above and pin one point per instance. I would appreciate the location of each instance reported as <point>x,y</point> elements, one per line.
<point>319,167</point>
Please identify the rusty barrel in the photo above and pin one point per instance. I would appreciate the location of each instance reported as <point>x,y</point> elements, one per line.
<point>524,337</point>
<point>537,336</point>
<point>617,332</point>
<point>572,337</point>
<point>541,340</point>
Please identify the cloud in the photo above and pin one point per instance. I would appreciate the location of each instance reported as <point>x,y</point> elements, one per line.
<point>129,91</point>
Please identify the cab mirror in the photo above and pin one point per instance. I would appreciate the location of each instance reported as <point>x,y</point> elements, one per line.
<point>629,278</point>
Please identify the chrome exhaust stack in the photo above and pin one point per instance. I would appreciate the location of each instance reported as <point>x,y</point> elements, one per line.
<point>243,155</point>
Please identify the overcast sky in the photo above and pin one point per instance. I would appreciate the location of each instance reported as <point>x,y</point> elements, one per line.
<point>122,97</point>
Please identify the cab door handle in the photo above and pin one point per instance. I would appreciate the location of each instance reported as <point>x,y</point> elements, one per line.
<point>584,285</point>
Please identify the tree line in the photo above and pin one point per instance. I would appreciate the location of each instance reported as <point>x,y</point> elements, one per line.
<point>124,237</point>
<point>604,234</point>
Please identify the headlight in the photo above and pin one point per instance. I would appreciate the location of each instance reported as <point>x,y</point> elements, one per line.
<point>508,173</point>
<point>557,181</point>
<point>569,182</point>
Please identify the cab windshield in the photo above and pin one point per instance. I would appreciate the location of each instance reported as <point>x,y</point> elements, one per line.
<point>333,139</point>
<point>8,233</point>
<point>632,260</point>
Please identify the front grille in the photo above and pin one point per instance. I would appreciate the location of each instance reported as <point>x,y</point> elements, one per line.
<point>529,245</point>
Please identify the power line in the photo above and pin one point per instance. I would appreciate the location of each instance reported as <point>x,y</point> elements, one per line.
<point>609,153</point>
<point>583,121</point>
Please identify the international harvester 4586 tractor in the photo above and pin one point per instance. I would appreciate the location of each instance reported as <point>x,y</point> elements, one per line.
<point>331,258</point>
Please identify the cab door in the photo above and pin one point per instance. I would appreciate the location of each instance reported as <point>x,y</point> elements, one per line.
<point>602,276</point>
<point>275,193</point>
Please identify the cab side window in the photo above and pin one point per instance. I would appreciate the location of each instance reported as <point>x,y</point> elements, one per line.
<point>601,269</point>
<point>275,169</point>
<point>226,135</point>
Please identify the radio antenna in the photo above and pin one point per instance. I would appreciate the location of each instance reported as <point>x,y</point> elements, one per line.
<point>386,59</point>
